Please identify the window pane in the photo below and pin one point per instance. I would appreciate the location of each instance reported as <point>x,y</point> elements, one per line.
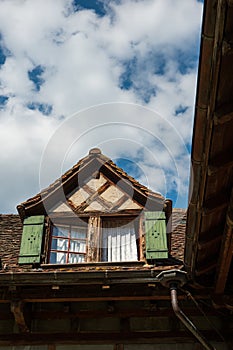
<point>78,232</point>
<point>67,240</point>
<point>60,258</point>
<point>76,258</point>
<point>78,246</point>
<point>57,258</point>
<point>59,244</point>
<point>61,231</point>
<point>53,258</point>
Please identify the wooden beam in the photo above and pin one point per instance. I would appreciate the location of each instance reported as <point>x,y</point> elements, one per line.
<point>94,195</point>
<point>202,245</point>
<point>230,3</point>
<point>61,188</point>
<point>120,201</point>
<point>222,162</point>
<point>215,204</point>
<point>223,114</point>
<point>123,314</point>
<point>225,258</point>
<point>143,199</point>
<point>205,269</point>
<point>17,310</point>
<point>158,337</point>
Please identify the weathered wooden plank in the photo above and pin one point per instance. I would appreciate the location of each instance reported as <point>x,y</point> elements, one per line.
<point>93,239</point>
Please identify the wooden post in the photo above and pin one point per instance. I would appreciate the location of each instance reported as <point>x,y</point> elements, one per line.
<point>93,239</point>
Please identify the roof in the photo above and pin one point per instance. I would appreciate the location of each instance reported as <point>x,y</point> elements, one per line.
<point>10,238</point>
<point>90,166</point>
<point>209,243</point>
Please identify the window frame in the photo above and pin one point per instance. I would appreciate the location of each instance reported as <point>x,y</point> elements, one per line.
<point>67,252</point>
<point>96,256</point>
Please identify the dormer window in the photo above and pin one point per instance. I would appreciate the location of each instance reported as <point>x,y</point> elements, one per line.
<point>111,240</point>
<point>95,213</point>
<point>68,244</point>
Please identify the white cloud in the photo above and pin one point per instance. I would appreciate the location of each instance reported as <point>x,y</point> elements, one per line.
<point>84,58</point>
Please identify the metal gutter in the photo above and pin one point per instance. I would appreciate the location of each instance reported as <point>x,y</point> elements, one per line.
<point>40,277</point>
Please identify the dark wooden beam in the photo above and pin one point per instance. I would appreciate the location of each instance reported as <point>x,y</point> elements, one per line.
<point>222,162</point>
<point>61,188</point>
<point>158,337</point>
<point>94,195</point>
<point>123,314</point>
<point>226,252</point>
<point>223,114</point>
<point>202,245</point>
<point>143,199</point>
<point>202,270</point>
<point>216,203</point>
<point>17,310</point>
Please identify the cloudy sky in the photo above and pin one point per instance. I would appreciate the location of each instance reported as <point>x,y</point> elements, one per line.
<point>115,74</point>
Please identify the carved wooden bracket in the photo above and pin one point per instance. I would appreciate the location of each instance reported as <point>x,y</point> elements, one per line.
<point>17,310</point>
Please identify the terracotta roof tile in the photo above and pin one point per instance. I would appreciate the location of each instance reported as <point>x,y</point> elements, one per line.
<point>10,236</point>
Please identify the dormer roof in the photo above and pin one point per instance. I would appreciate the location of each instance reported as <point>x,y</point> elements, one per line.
<point>93,167</point>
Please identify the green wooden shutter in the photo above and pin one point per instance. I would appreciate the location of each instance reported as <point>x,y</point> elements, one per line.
<point>31,241</point>
<point>156,235</point>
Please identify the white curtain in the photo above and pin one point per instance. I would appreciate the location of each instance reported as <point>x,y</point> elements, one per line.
<point>119,241</point>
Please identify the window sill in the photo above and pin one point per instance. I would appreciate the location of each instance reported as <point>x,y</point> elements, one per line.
<point>95,264</point>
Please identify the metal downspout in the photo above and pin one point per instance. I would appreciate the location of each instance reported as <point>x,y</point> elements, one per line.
<point>185,320</point>
<point>177,278</point>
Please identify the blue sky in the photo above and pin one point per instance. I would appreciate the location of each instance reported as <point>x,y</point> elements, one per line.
<point>59,57</point>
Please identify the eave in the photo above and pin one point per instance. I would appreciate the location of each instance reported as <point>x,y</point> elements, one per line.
<point>209,243</point>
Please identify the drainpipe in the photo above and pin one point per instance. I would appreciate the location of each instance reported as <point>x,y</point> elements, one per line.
<point>174,279</point>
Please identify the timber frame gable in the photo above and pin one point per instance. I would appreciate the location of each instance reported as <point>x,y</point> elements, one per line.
<point>94,166</point>
<point>95,213</point>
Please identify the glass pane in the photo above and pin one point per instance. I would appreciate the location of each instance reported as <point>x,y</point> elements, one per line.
<point>59,244</point>
<point>53,258</point>
<point>61,258</point>
<point>78,246</point>
<point>76,258</point>
<point>57,258</point>
<point>61,231</point>
<point>78,232</point>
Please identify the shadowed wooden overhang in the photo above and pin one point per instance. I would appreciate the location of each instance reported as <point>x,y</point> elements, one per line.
<point>209,241</point>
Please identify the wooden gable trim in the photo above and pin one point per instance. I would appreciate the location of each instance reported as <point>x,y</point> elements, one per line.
<point>62,189</point>
<point>64,186</point>
<point>126,186</point>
